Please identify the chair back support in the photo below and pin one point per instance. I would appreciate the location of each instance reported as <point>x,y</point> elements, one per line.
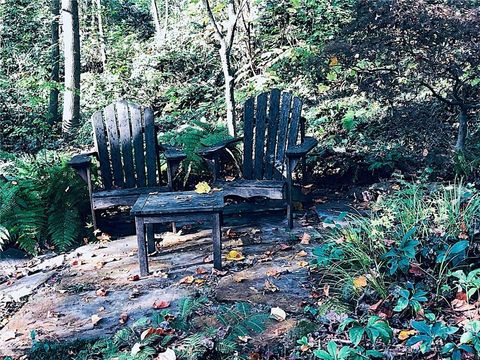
<point>271,124</point>
<point>126,144</point>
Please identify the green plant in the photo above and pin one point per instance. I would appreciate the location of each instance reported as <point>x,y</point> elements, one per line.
<point>455,351</point>
<point>44,205</point>
<point>469,282</point>
<point>429,333</point>
<point>374,328</point>
<point>399,257</point>
<point>472,335</point>
<point>332,352</point>
<point>410,297</point>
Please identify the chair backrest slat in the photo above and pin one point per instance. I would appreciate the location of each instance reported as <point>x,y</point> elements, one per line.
<point>260,125</point>
<point>100,140</point>
<point>114,142</point>
<point>137,135</point>
<point>125,140</point>
<point>248,123</point>
<point>268,134</point>
<point>150,147</point>
<point>273,112</point>
<point>126,143</point>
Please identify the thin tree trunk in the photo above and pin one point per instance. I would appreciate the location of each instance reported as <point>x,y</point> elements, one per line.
<point>156,21</point>
<point>229,90</point>
<point>71,39</point>
<point>163,32</point>
<point>462,129</point>
<point>101,35</point>
<point>55,59</point>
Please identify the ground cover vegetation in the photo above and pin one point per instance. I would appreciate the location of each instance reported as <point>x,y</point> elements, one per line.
<point>391,91</point>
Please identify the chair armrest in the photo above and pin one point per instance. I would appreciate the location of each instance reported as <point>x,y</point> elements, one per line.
<point>80,161</point>
<point>172,153</point>
<point>299,151</point>
<point>212,150</point>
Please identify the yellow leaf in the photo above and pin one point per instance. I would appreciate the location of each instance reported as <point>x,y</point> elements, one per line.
<point>202,188</point>
<point>360,282</point>
<point>235,255</point>
<point>333,61</point>
<point>187,280</point>
<point>405,334</point>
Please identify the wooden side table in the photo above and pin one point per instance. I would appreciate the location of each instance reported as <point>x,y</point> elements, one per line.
<point>157,208</point>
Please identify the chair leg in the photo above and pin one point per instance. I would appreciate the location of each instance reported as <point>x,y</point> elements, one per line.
<point>90,191</point>
<point>150,238</point>
<point>289,194</point>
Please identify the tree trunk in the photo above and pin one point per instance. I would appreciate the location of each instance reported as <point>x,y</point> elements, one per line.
<point>71,39</point>
<point>229,90</point>
<point>101,35</point>
<point>163,33</point>
<point>462,129</point>
<point>55,59</point>
<point>156,21</point>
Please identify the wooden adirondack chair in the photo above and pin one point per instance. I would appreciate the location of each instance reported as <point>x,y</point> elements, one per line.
<point>127,151</point>
<point>273,144</point>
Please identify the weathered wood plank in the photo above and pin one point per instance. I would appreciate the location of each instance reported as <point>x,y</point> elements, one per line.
<point>295,122</point>
<point>126,142</point>
<point>274,109</point>
<point>150,148</point>
<point>217,241</point>
<point>248,123</point>
<point>102,150</point>
<point>123,197</point>
<point>113,139</point>
<point>260,126</point>
<point>282,130</point>
<point>137,135</point>
<point>272,189</point>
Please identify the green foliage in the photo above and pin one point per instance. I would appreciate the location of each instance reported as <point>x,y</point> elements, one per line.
<point>472,335</point>
<point>470,282</point>
<point>332,352</point>
<point>399,257</point>
<point>410,297</point>
<point>44,204</point>
<point>374,328</point>
<point>429,333</point>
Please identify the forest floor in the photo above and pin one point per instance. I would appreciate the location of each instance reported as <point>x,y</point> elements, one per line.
<point>95,290</point>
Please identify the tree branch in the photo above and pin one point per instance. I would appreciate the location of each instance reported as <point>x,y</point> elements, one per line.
<point>438,96</point>
<point>206,3</point>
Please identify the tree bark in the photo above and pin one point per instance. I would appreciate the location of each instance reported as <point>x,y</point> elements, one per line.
<point>462,129</point>
<point>101,35</point>
<point>55,59</point>
<point>156,21</point>
<point>71,39</point>
<point>226,45</point>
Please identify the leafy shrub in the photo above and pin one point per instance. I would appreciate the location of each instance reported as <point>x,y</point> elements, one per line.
<point>43,203</point>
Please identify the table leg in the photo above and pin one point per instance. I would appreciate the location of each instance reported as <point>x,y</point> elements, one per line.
<point>142,251</point>
<point>150,238</point>
<point>217,242</point>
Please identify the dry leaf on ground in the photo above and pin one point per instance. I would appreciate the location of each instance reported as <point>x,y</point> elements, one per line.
<point>234,255</point>
<point>133,277</point>
<point>95,319</point>
<point>101,292</point>
<point>278,314</point>
<point>161,304</point>
<point>405,334</point>
<point>305,240</point>
<point>360,282</point>
<point>187,280</point>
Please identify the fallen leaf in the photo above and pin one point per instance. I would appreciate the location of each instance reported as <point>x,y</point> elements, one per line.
<point>284,247</point>
<point>202,188</point>
<point>76,262</point>
<point>416,270</point>
<point>461,305</point>
<point>201,271</point>
<point>199,281</point>
<point>104,237</point>
<point>208,259</point>
<point>101,292</point>
<point>238,278</point>
<point>187,280</point>
<point>302,253</point>
<point>99,265</point>
<point>333,61</point>
<point>95,319</point>
<point>230,233</point>
<point>305,240</point>
<point>133,277</point>
<point>169,354</point>
<point>271,287</point>
<point>219,272</point>
<point>360,282</point>
<point>405,334</point>
<point>234,255</point>
<point>245,338</point>
<point>135,349</point>
<point>161,304</point>
<point>278,314</point>
<point>273,273</point>
<point>123,318</point>
<point>303,263</point>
